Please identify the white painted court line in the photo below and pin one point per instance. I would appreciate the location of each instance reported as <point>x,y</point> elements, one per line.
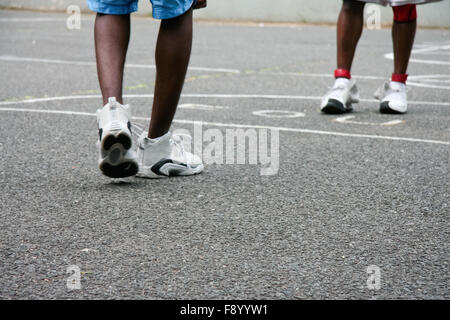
<point>205,107</point>
<point>75,113</point>
<point>89,63</point>
<point>349,119</point>
<point>410,81</point>
<point>319,75</point>
<point>33,19</point>
<point>428,48</point>
<point>390,56</point>
<point>245,126</point>
<point>278,114</point>
<point>430,81</point>
<point>214,95</point>
<point>220,70</point>
<point>21,59</point>
<point>319,132</point>
<point>423,85</point>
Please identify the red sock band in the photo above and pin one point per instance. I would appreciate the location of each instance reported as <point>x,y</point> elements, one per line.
<point>342,73</point>
<point>400,77</point>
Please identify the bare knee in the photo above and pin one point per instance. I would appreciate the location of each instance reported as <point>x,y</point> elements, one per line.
<point>353,6</point>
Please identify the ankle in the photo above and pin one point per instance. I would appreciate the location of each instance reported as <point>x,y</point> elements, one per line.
<point>155,136</point>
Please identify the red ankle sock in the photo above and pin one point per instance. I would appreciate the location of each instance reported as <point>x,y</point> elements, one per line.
<point>342,73</point>
<point>399,77</point>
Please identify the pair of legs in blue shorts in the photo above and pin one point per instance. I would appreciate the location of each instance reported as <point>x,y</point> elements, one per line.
<point>162,9</point>
<point>154,154</point>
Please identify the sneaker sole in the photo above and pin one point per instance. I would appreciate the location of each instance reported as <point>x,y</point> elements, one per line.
<point>384,108</point>
<point>117,134</point>
<point>115,165</point>
<point>122,170</point>
<point>116,138</point>
<point>336,107</point>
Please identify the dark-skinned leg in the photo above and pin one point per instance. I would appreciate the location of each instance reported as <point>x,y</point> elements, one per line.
<point>173,50</point>
<point>112,34</point>
<point>349,30</point>
<point>403,35</point>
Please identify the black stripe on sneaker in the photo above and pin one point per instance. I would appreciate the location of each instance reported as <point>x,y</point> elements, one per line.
<point>156,169</point>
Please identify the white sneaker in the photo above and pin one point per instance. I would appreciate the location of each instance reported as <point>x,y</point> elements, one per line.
<point>165,157</point>
<point>117,160</point>
<point>341,97</point>
<point>393,97</point>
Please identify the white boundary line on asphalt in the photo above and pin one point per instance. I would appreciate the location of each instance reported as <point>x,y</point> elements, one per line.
<point>244,126</point>
<point>11,58</point>
<point>213,95</point>
<point>319,75</point>
<point>390,55</point>
<point>91,63</point>
<point>436,78</point>
<point>33,19</point>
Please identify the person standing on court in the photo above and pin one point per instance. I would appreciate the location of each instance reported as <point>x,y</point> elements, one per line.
<point>158,155</point>
<point>392,95</point>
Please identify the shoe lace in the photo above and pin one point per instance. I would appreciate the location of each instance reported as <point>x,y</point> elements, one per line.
<point>399,90</point>
<point>337,88</point>
<point>136,131</point>
<point>176,141</point>
<point>394,92</point>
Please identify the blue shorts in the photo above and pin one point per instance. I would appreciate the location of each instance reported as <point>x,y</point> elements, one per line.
<point>162,9</point>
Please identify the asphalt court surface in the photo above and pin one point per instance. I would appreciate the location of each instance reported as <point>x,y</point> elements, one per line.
<point>352,191</point>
